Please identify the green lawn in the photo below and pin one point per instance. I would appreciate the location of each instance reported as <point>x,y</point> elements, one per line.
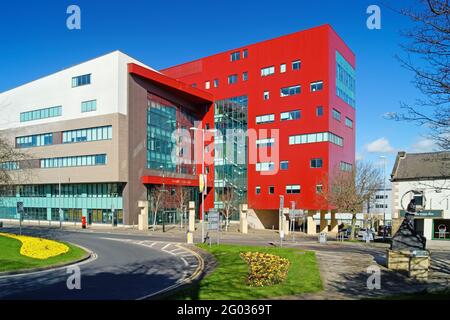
<point>12,260</point>
<point>227,281</point>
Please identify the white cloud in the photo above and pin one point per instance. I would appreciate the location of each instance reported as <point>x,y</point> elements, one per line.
<point>424,145</point>
<point>359,156</point>
<point>381,145</point>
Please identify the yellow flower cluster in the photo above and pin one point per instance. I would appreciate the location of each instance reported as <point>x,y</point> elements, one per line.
<point>265,269</point>
<point>38,248</point>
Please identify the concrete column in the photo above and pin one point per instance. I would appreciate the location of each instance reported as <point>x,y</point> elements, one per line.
<point>323,221</point>
<point>311,224</point>
<point>286,226</point>
<point>191,223</point>
<point>243,222</point>
<point>334,222</point>
<point>143,216</point>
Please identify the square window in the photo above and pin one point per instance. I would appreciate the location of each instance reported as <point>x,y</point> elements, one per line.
<point>207,85</point>
<point>266,95</point>
<point>258,190</point>
<point>216,83</point>
<point>319,111</point>
<point>283,68</point>
<point>245,76</point>
<point>271,190</point>
<point>296,65</point>
<point>284,165</point>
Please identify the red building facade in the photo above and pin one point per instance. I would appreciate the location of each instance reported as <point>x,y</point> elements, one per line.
<point>301,88</point>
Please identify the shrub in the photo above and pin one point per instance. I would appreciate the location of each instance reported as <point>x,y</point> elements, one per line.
<point>265,269</point>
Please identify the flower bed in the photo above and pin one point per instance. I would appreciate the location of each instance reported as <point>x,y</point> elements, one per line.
<point>38,248</point>
<point>265,269</point>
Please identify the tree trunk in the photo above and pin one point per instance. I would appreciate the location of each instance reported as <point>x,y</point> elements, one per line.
<point>352,234</point>
<point>226,223</point>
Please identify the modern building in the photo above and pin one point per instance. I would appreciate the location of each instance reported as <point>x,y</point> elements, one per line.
<point>297,92</point>
<point>282,111</point>
<point>380,206</point>
<point>97,138</point>
<point>424,177</point>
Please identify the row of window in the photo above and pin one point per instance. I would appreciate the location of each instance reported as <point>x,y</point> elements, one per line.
<point>41,114</point>
<point>76,161</point>
<point>81,80</point>
<point>285,116</point>
<point>284,165</point>
<point>344,166</point>
<point>290,189</point>
<point>86,135</point>
<point>82,190</point>
<point>316,137</point>
<point>37,140</point>
<point>79,135</point>
<point>236,55</point>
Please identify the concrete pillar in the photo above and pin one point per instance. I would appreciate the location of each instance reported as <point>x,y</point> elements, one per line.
<point>191,223</point>
<point>143,216</point>
<point>286,226</point>
<point>323,221</point>
<point>334,222</point>
<point>311,224</point>
<point>243,222</point>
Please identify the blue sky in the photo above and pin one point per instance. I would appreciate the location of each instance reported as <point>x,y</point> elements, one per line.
<point>35,42</point>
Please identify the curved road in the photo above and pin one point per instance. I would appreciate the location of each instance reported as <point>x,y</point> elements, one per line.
<point>122,270</point>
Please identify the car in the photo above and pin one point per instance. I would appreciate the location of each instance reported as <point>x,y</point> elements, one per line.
<point>384,231</point>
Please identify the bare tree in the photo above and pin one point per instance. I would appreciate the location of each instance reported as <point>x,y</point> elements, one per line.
<point>157,201</point>
<point>228,201</point>
<point>428,58</point>
<point>350,190</point>
<point>11,161</point>
<point>182,196</point>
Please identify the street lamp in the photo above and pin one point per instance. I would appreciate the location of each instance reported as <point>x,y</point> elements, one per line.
<point>384,194</point>
<point>203,174</point>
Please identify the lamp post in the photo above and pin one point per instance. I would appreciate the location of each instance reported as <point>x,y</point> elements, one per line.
<point>203,175</point>
<point>384,195</point>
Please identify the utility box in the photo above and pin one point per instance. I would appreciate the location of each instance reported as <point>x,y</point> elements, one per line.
<point>323,237</point>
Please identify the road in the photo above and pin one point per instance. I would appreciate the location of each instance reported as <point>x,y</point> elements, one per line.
<point>121,270</point>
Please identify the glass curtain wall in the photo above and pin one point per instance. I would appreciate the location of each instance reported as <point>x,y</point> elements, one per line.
<point>230,163</point>
<point>163,118</point>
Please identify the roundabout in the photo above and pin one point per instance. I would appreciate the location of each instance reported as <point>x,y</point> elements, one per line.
<point>121,267</point>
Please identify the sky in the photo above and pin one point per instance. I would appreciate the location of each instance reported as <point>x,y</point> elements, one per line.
<point>34,42</point>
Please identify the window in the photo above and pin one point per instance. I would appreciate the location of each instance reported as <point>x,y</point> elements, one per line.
<point>284,165</point>
<point>345,80</point>
<point>266,95</point>
<point>319,111</point>
<point>81,80</point>
<point>245,54</point>
<point>283,68</point>
<point>316,86</point>
<point>344,166</point>
<point>267,71</point>
<point>348,122</point>
<point>90,134</point>
<point>290,115</point>
<point>38,140</point>
<point>216,83</point>
<point>336,115</point>
<point>232,78</point>
<point>296,65</point>
<point>289,91</point>
<point>194,85</point>
<point>316,163</point>
<point>419,199</point>
<point>77,161</point>
<point>265,142</point>
<point>319,188</point>
<point>265,166</point>
<point>234,56</point>
<point>290,189</point>
<point>271,190</point>
<point>316,137</point>
<point>265,118</point>
<point>207,85</point>
<point>88,106</point>
<point>41,114</point>
<point>258,190</point>
<point>245,76</point>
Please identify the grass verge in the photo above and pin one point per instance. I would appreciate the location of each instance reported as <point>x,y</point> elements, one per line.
<point>227,281</point>
<point>12,260</point>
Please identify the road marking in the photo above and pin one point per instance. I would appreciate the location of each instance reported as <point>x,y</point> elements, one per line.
<point>185,262</point>
<point>167,245</point>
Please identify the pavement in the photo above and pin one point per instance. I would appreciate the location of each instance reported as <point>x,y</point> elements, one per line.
<point>122,267</point>
<point>343,265</point>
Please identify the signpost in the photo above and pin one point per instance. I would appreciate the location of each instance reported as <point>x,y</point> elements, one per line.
<point>20,211</point>
<point>214,223</point>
